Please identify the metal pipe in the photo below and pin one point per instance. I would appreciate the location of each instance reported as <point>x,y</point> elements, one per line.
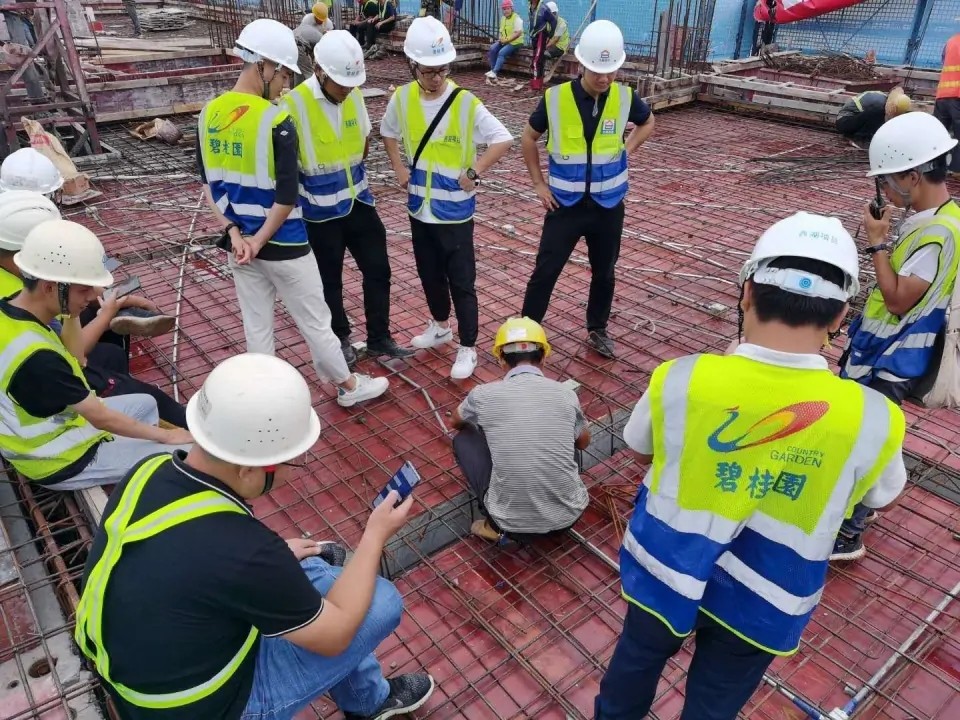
<point>870,686</point>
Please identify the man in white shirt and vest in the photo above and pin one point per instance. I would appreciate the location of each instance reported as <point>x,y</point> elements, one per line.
<point>334,137</point>
<point>191,608</point>
<point>54,430</point>
<point>248,158</point>
<point>587,177</point>
<point>896,342</point>
<point>755,459</point>
<point>441,182</point>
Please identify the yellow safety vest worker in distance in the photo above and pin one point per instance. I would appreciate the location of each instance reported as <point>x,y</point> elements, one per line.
<point>120,532</point>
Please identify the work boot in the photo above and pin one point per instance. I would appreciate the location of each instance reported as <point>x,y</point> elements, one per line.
<point>601,343</point>
<point>482,529</point>
<point>141,323</point>
<point>848,547</point>
<point>407,693</point>
<point>332,553</point>
<point>433,336</point>
<point>370,51</point>
<point>349,354</point>
<point>388,346</point>
<point>367,388</point>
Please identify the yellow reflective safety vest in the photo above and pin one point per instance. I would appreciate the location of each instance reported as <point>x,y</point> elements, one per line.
<point>120,532</point>
<point>564,32</point>
<point>236,144</point>
<point>10,284</point>
<point>754,468</point>
<point>569,154</point>
<point>332,170</point>
<point>450,151</point>
<point>902,346</point>
<point>507,29</point>
<point>38,447</point>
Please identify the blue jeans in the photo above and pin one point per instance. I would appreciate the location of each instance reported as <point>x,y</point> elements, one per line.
<point>723,674</point>
<point>498,55</point>
<point>288,678</point>
<point>856,523</point>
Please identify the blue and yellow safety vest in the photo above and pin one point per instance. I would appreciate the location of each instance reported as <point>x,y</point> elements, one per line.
<point>739,511</point>
<point>332,170</point>
<point>236,136</point>
<point>569,154</point>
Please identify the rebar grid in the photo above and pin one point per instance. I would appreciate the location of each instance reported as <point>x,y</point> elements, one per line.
<point>525,633</point>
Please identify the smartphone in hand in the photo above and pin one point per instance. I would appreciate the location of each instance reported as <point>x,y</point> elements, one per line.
<point>403,481</point>
<point>124,288</point>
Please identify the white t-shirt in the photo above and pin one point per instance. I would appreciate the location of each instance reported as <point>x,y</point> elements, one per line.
<point>334,111</point>
<point>925,261</point>
<point>487,130</point>
<point>638,433</point>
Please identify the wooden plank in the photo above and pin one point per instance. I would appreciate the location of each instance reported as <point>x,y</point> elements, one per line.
<point>110,43</point>
<point>150,113</point>
<point>773,88</point>
<point>749,63</point>
<point>139,55</point>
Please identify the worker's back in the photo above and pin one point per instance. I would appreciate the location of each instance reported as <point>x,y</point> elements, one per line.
<point>949,86</point>
<point>757,458</point>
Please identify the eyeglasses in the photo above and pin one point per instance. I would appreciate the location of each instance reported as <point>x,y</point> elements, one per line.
<point>434,72</point>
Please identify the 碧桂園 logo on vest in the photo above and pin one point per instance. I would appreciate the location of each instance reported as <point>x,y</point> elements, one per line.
<point>775,426</point>
<point>216,126</point>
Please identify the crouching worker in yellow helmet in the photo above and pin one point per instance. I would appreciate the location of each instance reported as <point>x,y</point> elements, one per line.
<point>516,441</point>
<point>192,609</point>
<point>53,428</point>
<point>757,457</point>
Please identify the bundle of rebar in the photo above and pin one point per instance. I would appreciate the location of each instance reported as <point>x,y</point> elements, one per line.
<point>164,19</point>
<point>843,67</point>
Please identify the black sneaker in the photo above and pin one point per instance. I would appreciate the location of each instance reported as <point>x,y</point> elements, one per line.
<point>848,547</point>
<point>142,323</point>
<point>388,346</point>
<point>332,553</point>
<point>601,342</point>
<point>349,354</point>
<point>407,693</point>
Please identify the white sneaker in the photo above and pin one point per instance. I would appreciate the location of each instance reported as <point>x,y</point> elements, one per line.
<point>465,363</point>
<point>491,74</point>
<point>434,335</point>
<point>367,388</point>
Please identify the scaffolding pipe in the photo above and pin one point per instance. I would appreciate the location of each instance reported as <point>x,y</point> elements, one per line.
<point>870,686</point>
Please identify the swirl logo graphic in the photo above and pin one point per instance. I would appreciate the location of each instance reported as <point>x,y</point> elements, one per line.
<point>220,126</point>
<point>778,424</point>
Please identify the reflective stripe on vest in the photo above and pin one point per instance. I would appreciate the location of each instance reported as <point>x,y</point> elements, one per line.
<point>901,346</point>
<point>332,169</point>
<point>949,86</point>
<point>569,155</point>
<point>236,136</point>
<point>38,446</point>
<point>449,152</point>
<point>740,508</point>
<point>507,29</point>
<point>120,531</point>
<point>858,100</point>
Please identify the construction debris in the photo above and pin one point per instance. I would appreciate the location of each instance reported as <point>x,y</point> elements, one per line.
<point>164,19</point>
<point>158,128</point>
<point>76,185</point>
<point>843,67</point>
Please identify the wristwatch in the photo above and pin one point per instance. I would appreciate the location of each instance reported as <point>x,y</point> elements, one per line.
<point>472,175</point>
<point>882,247</point>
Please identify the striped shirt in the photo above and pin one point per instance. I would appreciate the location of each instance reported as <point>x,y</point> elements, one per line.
<point>531,424</point>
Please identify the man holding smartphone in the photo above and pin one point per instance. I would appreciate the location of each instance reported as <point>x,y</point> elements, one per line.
<point>268,626</point>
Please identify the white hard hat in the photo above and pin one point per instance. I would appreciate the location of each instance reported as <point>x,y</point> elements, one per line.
<point>906,142</point>
<point>805,235</point>
<point>29,169</point>
<point>428,42</point>
<point>340,56</point>
<point>267,39</point>
<point>253,410</point>
<point>20,212</point>
<point>601,47</point>
<point>65,252</point>
<point>552,6</point>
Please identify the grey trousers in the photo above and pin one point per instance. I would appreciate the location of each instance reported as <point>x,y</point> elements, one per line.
<point>115,458</point>
<point>300,288</point>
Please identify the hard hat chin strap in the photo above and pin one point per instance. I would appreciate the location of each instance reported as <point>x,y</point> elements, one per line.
<point>265,94</point>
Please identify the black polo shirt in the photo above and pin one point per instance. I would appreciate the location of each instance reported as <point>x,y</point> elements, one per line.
<point>179,605</point>
<point>590,112</point>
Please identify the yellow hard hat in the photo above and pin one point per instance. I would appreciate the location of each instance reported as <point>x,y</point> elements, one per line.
<point>520,335</point>
<point>320,11</point>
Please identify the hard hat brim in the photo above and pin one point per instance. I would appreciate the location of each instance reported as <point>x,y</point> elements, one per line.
<point>195,425</point>
<point>436,61</point>
<point>905,167</point>
<point>344,81</point>
<point>104,280</point>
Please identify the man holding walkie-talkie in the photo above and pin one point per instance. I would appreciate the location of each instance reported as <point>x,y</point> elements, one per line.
<point>894,343</point>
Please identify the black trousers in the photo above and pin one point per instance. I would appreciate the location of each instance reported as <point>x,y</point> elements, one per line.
<point>447,268</point>
<point>373,31</point>
<point>473,456</point>
<point>109,336</point>
<point>862,125</point>
<point>362,233</point>
<point>107,372</point>
<point>562,230</point>
<point>947,111</point>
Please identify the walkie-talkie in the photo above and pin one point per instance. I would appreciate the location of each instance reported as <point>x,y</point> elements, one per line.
<point>877,204</point>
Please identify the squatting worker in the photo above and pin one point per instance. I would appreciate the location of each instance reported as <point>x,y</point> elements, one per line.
<point>334,138</point>
<point>247,153</point>
<point>896,342</point>
<point>192,609</point>
<point>861,116</point>
<point>587,176</point>
<point>441,182</point>
<point>757,456</point>
<point>53,429</point>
